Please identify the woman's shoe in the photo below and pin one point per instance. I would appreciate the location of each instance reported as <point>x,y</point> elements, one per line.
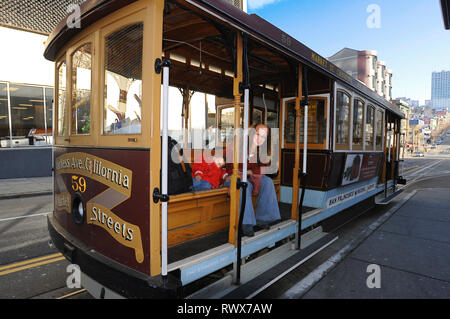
<point>262,226</point>
<point>247,230</point>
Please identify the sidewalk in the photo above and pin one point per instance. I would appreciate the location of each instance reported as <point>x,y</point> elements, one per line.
<point>411,247</point>
<point>25,187</point>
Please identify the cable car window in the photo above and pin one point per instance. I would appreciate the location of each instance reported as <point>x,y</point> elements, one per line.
<point>61,99</point>
<point>317,124</point>
<point>122,111</point>
<point>272,119</point>
<point>342,120</point>
<point>379,138</point>
<point>370,126</point>
<point>289,123</point>
<point>226,120</point>
<point>358,124</point>
<point>81,90</point>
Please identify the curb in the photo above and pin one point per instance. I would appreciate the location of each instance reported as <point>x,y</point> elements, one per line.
<point>22,195</point>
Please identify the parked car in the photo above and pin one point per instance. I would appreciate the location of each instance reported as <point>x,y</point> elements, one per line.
<point>418,154</point>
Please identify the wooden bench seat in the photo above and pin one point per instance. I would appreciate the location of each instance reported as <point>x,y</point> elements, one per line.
<point>195,214</point>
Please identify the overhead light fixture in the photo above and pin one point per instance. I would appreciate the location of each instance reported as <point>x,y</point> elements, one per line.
<point>19,108</point>
<point>25,104</point>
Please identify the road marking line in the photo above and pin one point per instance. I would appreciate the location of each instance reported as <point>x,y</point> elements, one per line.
<point>72,294</point>
<point>31,266</point>
<point>29,261</point>
<point>12,218</point>
<point>422,168</point>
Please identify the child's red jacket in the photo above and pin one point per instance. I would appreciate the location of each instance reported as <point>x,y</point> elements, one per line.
<point>209,171</point>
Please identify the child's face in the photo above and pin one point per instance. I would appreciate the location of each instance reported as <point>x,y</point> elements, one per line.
<point>220,162</point>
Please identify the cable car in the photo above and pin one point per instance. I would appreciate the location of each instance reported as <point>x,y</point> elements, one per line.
<point>138,71</point>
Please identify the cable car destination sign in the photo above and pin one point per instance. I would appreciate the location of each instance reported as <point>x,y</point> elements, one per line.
<point>119,181</point>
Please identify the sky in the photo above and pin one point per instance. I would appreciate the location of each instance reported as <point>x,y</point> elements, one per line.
<point>408,35</point>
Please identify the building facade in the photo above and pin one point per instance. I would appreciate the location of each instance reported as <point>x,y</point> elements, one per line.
<point>365,66</point>
<point>26,85</point>
<point>405,108</point>
<point>440,89</point>
<point>26,78</point>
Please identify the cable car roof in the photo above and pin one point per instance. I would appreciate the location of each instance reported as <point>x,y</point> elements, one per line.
<point>93,10</point>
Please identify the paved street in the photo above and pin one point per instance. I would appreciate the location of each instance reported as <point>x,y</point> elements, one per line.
<point>30,268</point>
<point>24,238</point>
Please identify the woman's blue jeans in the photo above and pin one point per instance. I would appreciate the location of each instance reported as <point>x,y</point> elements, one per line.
<point>267,209</point>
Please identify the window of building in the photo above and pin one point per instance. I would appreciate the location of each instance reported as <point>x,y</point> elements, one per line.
<point>342,120</point>
<point>81,90</point>
<point>370,127</point>
<point>27,114</point>
<point>358,124</point>
<point>380,128</point>
<point>4,118</point>
<point>61,99</point>
<point>123,81</point>
<point>30,119</point>
<point>49,114</point>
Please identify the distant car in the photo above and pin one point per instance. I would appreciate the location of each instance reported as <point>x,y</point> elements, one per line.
<point>418,154</point>
<point>433,146</point>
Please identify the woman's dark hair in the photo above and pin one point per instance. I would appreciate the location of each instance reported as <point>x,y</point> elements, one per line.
<point>267,143</point>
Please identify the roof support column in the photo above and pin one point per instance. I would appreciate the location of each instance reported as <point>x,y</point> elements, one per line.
<point>234,192</point>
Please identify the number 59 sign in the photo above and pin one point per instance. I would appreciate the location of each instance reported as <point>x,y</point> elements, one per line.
<point>78,184</point>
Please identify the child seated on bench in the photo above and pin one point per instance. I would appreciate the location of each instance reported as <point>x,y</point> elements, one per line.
<point>208,172</point>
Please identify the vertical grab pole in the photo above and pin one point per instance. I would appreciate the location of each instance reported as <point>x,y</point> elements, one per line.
<point>296,170</point>
<point>164,165</point>
<point>243,184</point>
<point>388,140</point>
<point>245,136</point>
<point>305,104</point>
<point>403,154</point>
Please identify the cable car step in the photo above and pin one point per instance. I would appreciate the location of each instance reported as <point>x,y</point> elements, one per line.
<point>266,279</point>
<point>381,200</point>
